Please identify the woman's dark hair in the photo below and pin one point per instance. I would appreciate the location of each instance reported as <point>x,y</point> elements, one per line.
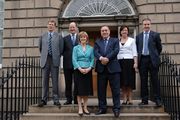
<point>122,27</point>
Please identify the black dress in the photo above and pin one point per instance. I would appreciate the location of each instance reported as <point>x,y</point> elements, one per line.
<point>83,83</point>
<point>127,73</point>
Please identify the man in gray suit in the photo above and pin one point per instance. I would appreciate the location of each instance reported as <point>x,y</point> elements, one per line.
<point>51,47</point>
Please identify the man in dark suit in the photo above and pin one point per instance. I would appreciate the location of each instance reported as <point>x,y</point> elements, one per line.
<point>51,47</point>
<point>149,48</point>
<point>107,68</point>
<point>70,41</point>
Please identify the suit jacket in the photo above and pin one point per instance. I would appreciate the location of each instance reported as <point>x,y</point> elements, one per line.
<point>57,48</point>
<point>83,59</point>
<point>154,46</point>
<point>67,51</point>
<point>111,53</point>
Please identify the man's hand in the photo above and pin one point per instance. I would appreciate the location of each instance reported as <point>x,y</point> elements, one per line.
<point>104,60</point>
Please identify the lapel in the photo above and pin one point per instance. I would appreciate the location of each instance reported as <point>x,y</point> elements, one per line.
<point>54,40</point>
<point>101,42</point>
<point>81,49</point>
<point>150,37</point>
<point>109,42</point>
<point>141,41</point>
<point>77,40</point>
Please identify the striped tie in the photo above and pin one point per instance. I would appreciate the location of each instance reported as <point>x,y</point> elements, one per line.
<point>49,45</point>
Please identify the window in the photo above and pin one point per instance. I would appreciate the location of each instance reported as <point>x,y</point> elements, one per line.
<point>88,8</point>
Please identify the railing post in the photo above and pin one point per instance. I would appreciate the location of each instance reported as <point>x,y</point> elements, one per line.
<point>2,99</point>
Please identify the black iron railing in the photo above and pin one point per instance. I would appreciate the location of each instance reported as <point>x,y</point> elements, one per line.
<point>20,86</point>
<point>169,76</point>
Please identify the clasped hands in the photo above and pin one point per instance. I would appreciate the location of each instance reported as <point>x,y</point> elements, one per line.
<point>104,60</point>
<point>84,70</point>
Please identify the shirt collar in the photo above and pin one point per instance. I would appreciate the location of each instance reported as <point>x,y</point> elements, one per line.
<point>147,32</point>
<point>50,33</point>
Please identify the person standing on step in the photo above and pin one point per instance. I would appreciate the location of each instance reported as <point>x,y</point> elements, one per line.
<point>70,41</point>
<point>51,48</point>
<point>127,58</point>
<point>108,69</point>
<point>149,48</point>
<point>83,62</point>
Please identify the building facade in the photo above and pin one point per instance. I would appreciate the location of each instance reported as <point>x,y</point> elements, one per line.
<point>26,20</point>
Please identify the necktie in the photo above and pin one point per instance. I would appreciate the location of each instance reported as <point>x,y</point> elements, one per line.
<point>49,45</point>
<point>105,45</point>
<point>73,39</point>
<point>146,50</point>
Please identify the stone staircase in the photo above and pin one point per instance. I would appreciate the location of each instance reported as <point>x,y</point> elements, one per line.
<point>69,112</point>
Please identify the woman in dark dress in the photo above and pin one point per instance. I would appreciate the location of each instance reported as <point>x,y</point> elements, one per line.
<point>127,58</point>
<point>83,62</point>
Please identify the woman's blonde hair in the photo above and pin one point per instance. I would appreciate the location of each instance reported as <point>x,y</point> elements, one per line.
<point>83,33</point>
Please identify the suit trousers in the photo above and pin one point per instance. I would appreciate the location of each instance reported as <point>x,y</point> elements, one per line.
<point>69,78</point>
<point>46,71</point>
<point>146,67</point>
<point>102,82</point>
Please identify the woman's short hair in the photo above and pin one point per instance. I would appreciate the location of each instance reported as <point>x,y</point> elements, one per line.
<point>122,27</point>
<point>83,33</point>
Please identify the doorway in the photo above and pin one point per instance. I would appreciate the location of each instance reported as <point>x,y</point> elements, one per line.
<point>94,34</point>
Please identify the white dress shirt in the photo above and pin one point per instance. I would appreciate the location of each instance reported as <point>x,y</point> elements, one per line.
<point>128,50</point>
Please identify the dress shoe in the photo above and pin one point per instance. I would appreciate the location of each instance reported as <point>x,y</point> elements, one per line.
<point>100,112</point>
<point>129,103</point>
<point>42,103</point>
<point>158,103</point>
<point>80,114</point>
<point>143,103</point>
<point>124,103</point>
<point>67,103</point>
<point>87,113</point>
<point>57,103</point>
<point>116,114</point>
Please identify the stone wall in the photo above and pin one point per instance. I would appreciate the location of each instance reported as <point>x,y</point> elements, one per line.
<point>165,16</point>
<point>25,21</point>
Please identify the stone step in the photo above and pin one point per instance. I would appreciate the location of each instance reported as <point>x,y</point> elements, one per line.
<point>74,109</point>
<point>108,116</point>
<point>92,106</point>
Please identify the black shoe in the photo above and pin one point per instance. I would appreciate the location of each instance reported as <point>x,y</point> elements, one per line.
<point>57,103</point>
<point>42,103</point>
<point>80,114</point>
<point>116,114</point>
<point>143,103</point>
<point>100,112</point>
<point>158,103</point>
<point>75,102</point>
<point>124,103</point>
<point>67,103</point>
<point>86,113</point>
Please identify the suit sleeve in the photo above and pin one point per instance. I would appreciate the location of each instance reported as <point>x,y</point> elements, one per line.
<point>92,59</point>
<point>40,44</point>
<point>74,58</point>
<point>61,44</point>
<point>96,51</point>
<point>158,43</point>
<point>115,51</point>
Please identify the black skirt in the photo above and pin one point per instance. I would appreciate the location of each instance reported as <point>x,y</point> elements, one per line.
<point>127,75</point>
<point>83,83</point>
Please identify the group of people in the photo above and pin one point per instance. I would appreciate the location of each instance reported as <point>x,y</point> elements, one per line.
<point>116,60</point>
